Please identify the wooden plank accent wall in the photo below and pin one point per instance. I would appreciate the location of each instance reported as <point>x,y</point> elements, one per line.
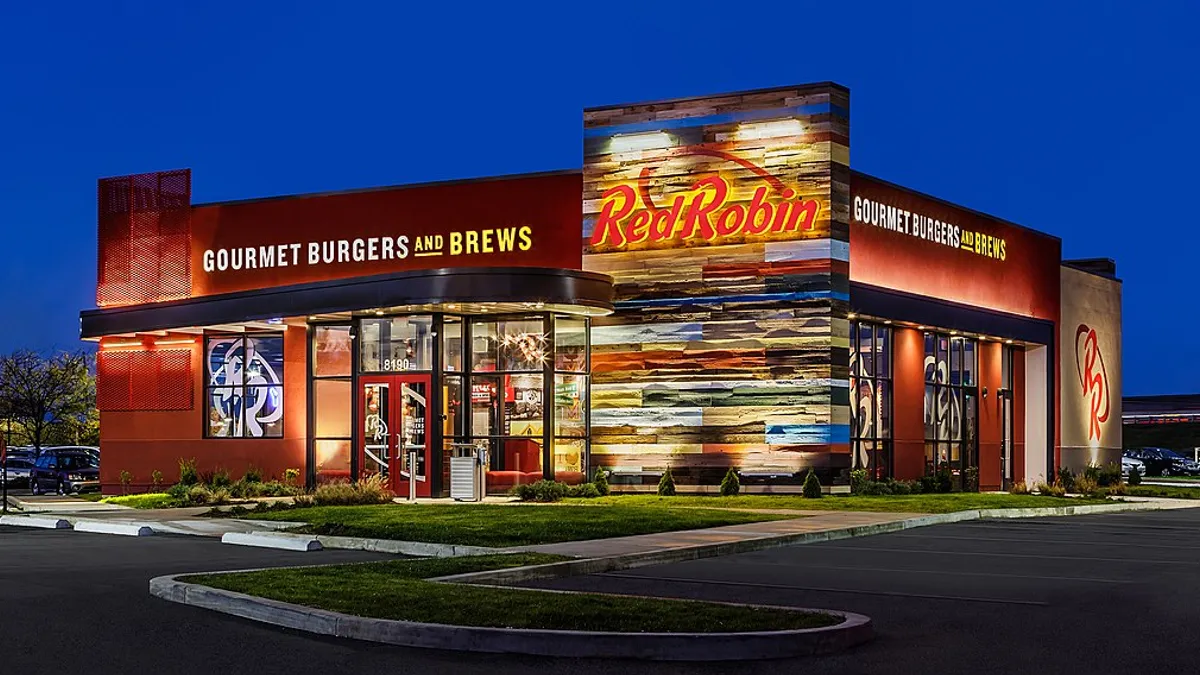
<point>729,346</point>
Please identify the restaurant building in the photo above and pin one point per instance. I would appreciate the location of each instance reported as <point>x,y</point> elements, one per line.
<point>716,288</point>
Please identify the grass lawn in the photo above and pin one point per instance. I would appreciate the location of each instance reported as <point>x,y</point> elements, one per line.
<point>149,500</point>
<point>396,589</point>
<point>1172,491</point>
<point>920,503</point>
<point>498,525</point>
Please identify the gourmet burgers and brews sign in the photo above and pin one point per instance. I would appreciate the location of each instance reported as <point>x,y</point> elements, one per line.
<point>514,222</point>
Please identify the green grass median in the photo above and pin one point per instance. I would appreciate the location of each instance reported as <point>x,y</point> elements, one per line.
<point>919,503</point>
<point>498,525</point>
<point>397,589</point>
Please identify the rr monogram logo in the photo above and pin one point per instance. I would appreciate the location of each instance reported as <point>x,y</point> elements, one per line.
<point>1093,379</point>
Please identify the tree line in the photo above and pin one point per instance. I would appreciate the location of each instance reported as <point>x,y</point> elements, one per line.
<point>49,400</point>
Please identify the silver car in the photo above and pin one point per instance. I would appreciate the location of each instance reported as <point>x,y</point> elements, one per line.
<point>17,471</point>
<point>1128,464</point>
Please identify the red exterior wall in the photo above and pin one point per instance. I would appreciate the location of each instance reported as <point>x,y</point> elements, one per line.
<point>142,442</point>
<point>991,414</point>
<point>908,404</point>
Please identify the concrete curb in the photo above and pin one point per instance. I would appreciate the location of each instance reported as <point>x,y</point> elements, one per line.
<point>584,566</point>
<point>854,630</point>
<point>413,548</point>
<point>113,527</point>
<point>43,522</point>
<point>280,540</point>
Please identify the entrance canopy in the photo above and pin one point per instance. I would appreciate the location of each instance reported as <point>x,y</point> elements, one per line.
<point>462,290</point>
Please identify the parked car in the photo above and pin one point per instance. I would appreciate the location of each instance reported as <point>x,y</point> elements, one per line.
<point>1164,462</point>
<point>1128,464</point>
<point>65,471</point>
<point>17,468</point>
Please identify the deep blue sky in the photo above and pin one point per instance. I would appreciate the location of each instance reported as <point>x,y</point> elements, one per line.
<point>1078,120</point>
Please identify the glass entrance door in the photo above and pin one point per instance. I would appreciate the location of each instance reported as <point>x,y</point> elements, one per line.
<point>394,423</point>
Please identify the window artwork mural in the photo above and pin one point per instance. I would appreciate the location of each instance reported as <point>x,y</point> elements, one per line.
<point>950,366</point>
<point>871,398</point>
<point>244,390</point>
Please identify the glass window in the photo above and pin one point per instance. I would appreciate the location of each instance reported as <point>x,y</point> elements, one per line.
<point>522,344</point>
<point>570,405</point>
<point>870,398</point>
<point>397,344</point>
<point>483,346</point>
<point>569,460</point>
<point>485,409</point>
<point>244,385</point>
<point>452,336</point>
<point>332,403</point>
<point>523,412</point>
<point>950,404</point>
<point>570,344</point>
<point>452,394</point>
<point>332,350</point>
<point>332,459</point>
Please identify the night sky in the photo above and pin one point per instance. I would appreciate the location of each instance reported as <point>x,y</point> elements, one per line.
<point>1079,121</point>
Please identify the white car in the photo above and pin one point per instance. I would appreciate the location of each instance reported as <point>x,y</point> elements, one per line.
<point>1128,464</point>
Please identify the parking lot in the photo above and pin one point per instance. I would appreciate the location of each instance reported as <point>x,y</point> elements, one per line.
<point>1112,594</point>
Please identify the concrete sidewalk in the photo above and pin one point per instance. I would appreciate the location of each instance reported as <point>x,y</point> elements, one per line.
<point>806,522</point>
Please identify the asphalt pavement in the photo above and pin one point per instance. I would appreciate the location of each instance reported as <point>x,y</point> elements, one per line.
<point>1096,594</point>
<point>1109,594</point>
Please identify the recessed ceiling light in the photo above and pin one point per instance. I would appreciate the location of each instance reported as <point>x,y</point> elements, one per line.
<point>1008,342</point>
<point>887,322</point>
<point>379,312</point>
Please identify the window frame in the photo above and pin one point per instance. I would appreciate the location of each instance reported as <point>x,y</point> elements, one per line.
<point>956,389</point>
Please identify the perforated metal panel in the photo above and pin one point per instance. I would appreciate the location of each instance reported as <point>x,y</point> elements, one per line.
<point>144,227</point>
<point>158,379</point>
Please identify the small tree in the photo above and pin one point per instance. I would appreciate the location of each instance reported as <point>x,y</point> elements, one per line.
<point>49,398</point>
<point>730,484</point>
<point>666,484</point>
<point>600,480</point>
<point>812,486</point>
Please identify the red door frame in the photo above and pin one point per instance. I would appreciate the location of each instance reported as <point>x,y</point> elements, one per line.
<point>397,473</point>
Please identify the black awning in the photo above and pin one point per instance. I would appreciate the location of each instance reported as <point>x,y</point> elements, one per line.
<point>448,285</point>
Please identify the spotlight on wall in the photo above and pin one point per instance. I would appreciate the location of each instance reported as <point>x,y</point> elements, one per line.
<point>985,392</point>
<point>751,131</point>
<point>649,140</point>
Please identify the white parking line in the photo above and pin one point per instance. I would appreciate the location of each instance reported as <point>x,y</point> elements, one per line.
<point>1022,540</point>
<point>940,573</point>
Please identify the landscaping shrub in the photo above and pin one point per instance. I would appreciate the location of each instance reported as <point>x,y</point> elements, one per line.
<point>1086,487</point>
<point>945,480</point>
<point>583,491</point>
<point>1066,478</point>
<point>1019,488</point>
<point>600,480</point>
<point>219,478</point>
<point>730,484</point>
<point>812,486</point>
<point>929,483</point>
<point>541,491</point>
<point>197,495</point>
<point>666,484</point>
<point>1117,490</point>
<point>370,490</point>
<point>291,476</point>
<point>219,496</point>
<point>187,472</point>
<point>1051,490</point>
<point>1092,471</point>
<point>1110,475</point>
<point>126,478</point>
<point>253,475</point>
<point>972,479</point>
<point>156,479</point>
<point>859,481</point>
<point>1135,476</point>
